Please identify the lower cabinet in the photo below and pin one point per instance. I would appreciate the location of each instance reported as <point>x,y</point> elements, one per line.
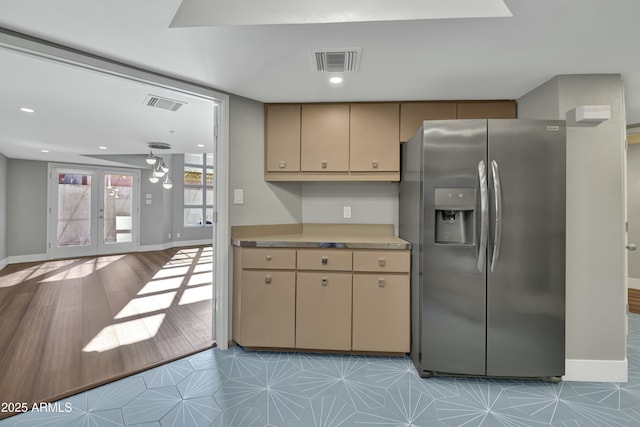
<point>268,308</point>
<point>323,311</point>
<point>381,315</point>
<point>322,299</point>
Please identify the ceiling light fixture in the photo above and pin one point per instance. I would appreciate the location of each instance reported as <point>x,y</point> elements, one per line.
<point>151,159</point>
<point>336,80</point>
<point>102,147</point>
<point>44,151</point>
<point>27,110</point>
<point>159,167</point>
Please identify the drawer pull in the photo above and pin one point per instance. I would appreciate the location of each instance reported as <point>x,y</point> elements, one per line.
<point>268,257</point>
<point>324,281</point>
<point>381,262</point>
<point>283,165</point>
<point>381,283</point>
<point>374,164</point>
<point>324,164</point>
<point>325,260</point>
<point>267,279</point>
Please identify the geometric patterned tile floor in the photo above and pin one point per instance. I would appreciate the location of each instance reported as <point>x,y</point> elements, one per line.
<point>238,388</point>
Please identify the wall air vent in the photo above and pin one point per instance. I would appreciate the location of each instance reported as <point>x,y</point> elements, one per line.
<point>163,103</point>
<point>336,60</point>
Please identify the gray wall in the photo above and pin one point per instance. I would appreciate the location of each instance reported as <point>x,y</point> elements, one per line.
<point>27,207</point>
<point>3,207</point>
<point>633,207</point>
<point>264,203</point>
<point>596,292</point>
<point>371,202</point>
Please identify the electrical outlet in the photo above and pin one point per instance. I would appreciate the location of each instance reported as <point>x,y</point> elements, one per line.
<point>177,235</point>
<point>169,235</point>
<point>347,211</point>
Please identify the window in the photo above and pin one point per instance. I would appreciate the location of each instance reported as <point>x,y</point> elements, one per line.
<point>198,189</point>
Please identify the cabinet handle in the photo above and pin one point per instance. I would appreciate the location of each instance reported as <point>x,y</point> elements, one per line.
<point>324,281</point>
<point>381,262</point>
<point>325,260</point>
<point>283,165</point>
<point>381,283</point>
<point>268,257</point>
<point>324,164</point>
<point>267,279</point>
<point>374,164</point>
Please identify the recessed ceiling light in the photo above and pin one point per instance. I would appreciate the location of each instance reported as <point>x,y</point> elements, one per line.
<point>200,145</point>
<point>335,80</point>
<point>102,148</point>
<point>44,151</point>
<point>27,110</point>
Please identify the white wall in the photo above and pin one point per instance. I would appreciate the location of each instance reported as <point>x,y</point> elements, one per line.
<point>264,203</point>
<point>596,283</point>
<point>370,202</point>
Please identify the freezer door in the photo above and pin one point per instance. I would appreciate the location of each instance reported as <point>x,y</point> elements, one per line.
<point>526,259</point>
<point>453,289</point>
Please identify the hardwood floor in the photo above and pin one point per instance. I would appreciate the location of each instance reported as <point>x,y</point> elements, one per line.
<point>69,325</point>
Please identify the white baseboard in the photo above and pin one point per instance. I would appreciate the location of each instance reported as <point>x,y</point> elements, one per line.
<point>176,244</point>
<point>4,263</point>
<point>615,371</point>
<point>634,283</point>
<point>27,258</point>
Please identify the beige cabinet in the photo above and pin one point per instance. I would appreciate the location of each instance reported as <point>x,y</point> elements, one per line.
<point>321,299</point>
<point>412,114</point>
<point>487,110</point>
<point>323,310</point>
<point>374,136</point>
<point>380,310</point>
<point>282,137</point>
<point>324,141</point>
<point>264,297</point>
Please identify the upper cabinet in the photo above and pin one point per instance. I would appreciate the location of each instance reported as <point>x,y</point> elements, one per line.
<point>324,142</point>
<point>374,139</point>
<point>354,142</point>
<point>487,110</point>
<point>282,131</point>
<point>412,114</point>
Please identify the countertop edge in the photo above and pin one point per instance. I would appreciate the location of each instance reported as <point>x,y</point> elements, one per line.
<point>320,245</point>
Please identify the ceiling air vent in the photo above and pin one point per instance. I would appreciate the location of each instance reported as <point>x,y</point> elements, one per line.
<point>163,103</point>
<point>336,60</point>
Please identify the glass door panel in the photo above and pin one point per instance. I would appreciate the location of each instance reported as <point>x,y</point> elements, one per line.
<point>73,212</point>
<point>93,211</point>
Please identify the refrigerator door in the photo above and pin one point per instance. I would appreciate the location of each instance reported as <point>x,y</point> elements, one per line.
<point>526,259</point>
<point>453,309</point>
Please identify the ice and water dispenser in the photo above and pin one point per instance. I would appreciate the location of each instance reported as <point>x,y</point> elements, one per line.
<point>455,216</point>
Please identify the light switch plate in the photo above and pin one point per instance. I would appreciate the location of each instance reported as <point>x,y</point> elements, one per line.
<point>238,196</point>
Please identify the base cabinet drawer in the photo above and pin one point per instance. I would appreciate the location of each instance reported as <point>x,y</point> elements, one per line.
<point>268,315</point>
<point>323,311</point>
<point>381,315</point>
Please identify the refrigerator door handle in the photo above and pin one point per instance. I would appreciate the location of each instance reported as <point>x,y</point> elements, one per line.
<point>497,191</point>
<point>484,215</point>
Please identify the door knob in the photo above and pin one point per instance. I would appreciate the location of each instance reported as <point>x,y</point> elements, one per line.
<point>632,247</point>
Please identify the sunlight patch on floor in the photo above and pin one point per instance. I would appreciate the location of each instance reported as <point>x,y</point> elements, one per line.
<point>125,333</point>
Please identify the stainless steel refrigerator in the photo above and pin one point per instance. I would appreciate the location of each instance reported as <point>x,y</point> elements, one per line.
<point>483,204</point>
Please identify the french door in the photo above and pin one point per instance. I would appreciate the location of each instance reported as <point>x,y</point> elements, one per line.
<point>93,211</point>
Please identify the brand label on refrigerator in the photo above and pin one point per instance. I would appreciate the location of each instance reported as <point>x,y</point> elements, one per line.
<point>553,128</point>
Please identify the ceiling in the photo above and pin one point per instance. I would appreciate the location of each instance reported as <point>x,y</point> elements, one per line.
<point>464,58</point>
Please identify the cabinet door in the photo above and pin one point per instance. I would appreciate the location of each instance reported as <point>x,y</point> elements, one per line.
<point>375,137</point>
<point>282,123</point>
<point>323,311</point>
<point>487,110</point>
<point>325,138</point>
<point>412,114</point>
<point>381,315</point>
<point>267,305</point>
